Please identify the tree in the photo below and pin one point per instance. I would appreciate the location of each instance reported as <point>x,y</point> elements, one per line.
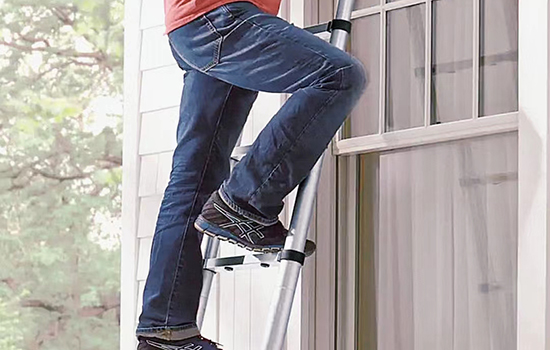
<point>60,175</point>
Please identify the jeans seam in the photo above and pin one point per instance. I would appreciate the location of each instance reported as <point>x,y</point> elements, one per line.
<point>195,201</point>
<point>169,332</point>
<point>180,55</point>
<point>217,49</point>
<point>217,43</point>
<point>164,328</point>
<point>343,69</point>
<point>228,11</point>
<point>313,118</point>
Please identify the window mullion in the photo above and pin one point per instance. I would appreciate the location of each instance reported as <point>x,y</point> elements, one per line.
<point>428,64</point>
<point>476,57</point>
<point>383,70</point>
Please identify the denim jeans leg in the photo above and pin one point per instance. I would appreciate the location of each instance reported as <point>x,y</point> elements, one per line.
<point>212,115</point>
<point>240,44</point>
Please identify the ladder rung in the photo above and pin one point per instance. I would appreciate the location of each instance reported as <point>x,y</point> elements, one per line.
<point>243,262</point>
<point>319,28</point>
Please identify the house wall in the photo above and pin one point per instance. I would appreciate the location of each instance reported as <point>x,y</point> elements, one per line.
<point>240,301</point>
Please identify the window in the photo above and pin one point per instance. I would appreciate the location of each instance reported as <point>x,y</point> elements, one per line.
<point>428,256</point>
<point>470,45</point>
<point>436,246</point>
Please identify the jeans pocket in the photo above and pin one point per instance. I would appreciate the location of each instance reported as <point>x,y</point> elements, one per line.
<point>223,20</point>
<point>198,43</point>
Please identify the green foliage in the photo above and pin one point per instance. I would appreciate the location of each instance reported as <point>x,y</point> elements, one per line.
<point>60,173</point>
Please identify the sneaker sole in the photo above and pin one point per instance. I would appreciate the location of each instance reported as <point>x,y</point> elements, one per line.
<point>211,230</point>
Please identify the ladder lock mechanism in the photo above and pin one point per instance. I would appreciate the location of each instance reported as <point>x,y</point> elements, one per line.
<point>339,24</point>
<point>293,255</point>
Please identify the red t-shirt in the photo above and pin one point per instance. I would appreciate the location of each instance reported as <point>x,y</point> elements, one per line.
<point>180,12</point>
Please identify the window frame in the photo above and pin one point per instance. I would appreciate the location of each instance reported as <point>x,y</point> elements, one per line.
<point>533,127</point>
<point>427,133</point>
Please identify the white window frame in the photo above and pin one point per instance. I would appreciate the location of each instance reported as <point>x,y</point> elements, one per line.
<point>532,125</point>
<point>427,133</point>
<point>130,177</point>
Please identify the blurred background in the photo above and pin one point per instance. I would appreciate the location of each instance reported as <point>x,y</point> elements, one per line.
<point>60,173</point>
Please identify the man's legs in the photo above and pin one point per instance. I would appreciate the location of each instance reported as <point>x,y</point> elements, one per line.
<point>243,46</point>
<point>212,115</point>
<point>238,49</point>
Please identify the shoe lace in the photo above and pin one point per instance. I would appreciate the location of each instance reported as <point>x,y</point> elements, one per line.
<point>211,342</point>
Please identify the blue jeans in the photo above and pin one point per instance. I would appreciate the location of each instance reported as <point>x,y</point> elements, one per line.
<point>228,55</point>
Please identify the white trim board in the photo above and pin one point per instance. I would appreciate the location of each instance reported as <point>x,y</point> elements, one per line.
<point>534,199</point>
<point>427,135</point>
<point>130,175</point>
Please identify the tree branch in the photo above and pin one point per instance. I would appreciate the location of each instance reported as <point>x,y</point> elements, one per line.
<point>61,14</point>
<point>52,68</point>
<point>98,55</point>
<point>94,311</point>
<point>10,282</point>
<point>86,311</point>
<point>113,159</point>
<point>61,177</point>
<point>34,40</point>
<point>42,305</point>
<point>71,177</point>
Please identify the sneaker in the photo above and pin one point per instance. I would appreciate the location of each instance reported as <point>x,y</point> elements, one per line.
<point>218,220</point>
<point>195,343</point>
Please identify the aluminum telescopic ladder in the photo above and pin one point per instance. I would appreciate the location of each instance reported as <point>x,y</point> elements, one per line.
<point>291,259</point>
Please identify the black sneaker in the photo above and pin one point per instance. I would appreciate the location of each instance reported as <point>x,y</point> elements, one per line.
<point>195,343</point>
<point>220,221</point>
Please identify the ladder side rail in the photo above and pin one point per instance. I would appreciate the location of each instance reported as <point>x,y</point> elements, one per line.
<point>289,270</point>
<point>211,252</point>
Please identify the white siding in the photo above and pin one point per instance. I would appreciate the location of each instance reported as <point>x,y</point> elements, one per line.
<point>240,301</point>
<point>130,181</point>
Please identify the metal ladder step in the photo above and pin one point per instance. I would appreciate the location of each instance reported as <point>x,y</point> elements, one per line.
<point>243,262</point>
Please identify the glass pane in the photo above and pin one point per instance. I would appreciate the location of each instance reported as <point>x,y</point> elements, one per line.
<point>499,57</point>
<point>361,4</point>
<point>365,45</point>
<point>437,244</point>
<point>406,61</point>
<point>452,58</point>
